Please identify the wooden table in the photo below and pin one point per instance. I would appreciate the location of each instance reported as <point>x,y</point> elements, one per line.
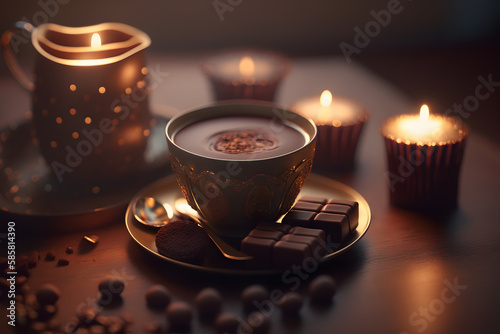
<point>397,279</point>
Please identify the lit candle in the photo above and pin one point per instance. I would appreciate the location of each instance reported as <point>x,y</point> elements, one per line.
<point>246,74</point>
<point>423,129</point>
<point>327,110</point>
<point>424,154</point>
<point>339,123</point>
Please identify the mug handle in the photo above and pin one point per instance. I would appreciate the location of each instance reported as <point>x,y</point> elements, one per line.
<point>10,57</point>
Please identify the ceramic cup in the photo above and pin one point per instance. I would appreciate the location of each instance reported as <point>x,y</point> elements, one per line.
<point>90,102</point>
<point>233,193</point>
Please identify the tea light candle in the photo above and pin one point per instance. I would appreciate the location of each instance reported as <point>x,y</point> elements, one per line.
<point>424,157</point>
<point>339,123</point>
<point>246,74</point>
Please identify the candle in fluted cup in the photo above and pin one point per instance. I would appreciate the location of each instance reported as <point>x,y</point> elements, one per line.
<point>424,155</point>
<point>339,122</point>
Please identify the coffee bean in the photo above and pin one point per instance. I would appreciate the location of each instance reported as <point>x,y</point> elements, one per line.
<point>51,255</point>
<point>63,262</point>
<point>48,294</point>
<point>69,250</point>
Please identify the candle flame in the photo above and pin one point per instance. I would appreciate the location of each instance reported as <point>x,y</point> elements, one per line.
<point>326,98</point>
<point>95,42</point>
<point>424,112</point>
<point>247,66</point>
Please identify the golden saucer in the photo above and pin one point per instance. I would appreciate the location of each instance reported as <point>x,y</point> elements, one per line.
<point>167,190</point>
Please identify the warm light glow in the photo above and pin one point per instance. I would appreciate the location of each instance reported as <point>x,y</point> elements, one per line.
<point>424,112</point>
<point>247,66</point>
<point>326,98</point>
<point>95,42</point>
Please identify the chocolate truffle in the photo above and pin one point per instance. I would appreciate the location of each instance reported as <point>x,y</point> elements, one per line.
<point>182,240</point>
<point>111,285</point>
<point>322,288</point>
<point>48,294</point>
<point>290,303</point>
<point>179,315</point>
<point>227,323</point>
<point>252,295</point>
<point>158,296</point>
<point>208,302</point>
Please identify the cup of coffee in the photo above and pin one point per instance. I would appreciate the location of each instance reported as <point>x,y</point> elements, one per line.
<point>239,162</point>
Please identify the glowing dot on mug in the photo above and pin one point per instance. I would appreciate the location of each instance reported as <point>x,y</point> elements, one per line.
<point>86,97</point>
<point>121,142</point>
<point>72,111</point>
<point>114,121</point>
<point>72,87</point>
<point>53,144</point>
<point>17,199</point>
<point>35,178</point>
<point>102,90</point>
<point>133,117</point>
<point>14,189</point>
<point>117,109</point>
<point>75,135</point>
<point>88,120</point>
<point>141,84</point>
<point>144,70</point>
<point>128,90</point>
<point>96,190</point>
<point>45,112</point>
<point>52,100</point>
<point>58,120</point>
<point>28,200</point>
<point>146,133</point>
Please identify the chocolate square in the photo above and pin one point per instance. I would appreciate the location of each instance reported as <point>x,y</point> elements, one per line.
<point>260,249</point>
<point>275,235</point>
<point>355,211</point>
<point>286,254</point>
<point>335,226</point>
<point>307,206</point>
<point>343,210</point>
<point>313,199</point>
<point>272,226</point>
<point>312,242</point>
<point>310,232</point>
<point>299,218</point>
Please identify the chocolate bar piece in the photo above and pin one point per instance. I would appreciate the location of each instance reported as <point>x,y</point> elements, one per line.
<point>313,199</point>
<point>261,250</point>
<point>334,216</point>
<point>310,232</point>
<point>275,235</point>
<point>286,254</point>
<point>335,226</point>
<point>299,218</point>
<point>272,226</point>
<point>312,242</point>
<point>308,206</point>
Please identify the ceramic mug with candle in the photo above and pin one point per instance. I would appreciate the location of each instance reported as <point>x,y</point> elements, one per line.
<point>89,97</point>
<point>240,163</point>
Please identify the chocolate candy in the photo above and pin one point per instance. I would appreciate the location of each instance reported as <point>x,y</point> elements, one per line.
<point>290,303</point>
<point>158,296</point>
<point>227,323</point>
<point>252,295</point>
<point>208,303</point>
<point>322,288</point>
<point>182,240</point>
<point>179,315</point>
<point>272,248</point>
<point>286,254</point>
<point>338,218</point>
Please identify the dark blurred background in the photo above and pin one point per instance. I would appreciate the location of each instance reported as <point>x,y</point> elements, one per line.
<point>433,50</point>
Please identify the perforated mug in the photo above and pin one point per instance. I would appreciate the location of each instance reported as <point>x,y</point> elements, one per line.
<point>89,97</point>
